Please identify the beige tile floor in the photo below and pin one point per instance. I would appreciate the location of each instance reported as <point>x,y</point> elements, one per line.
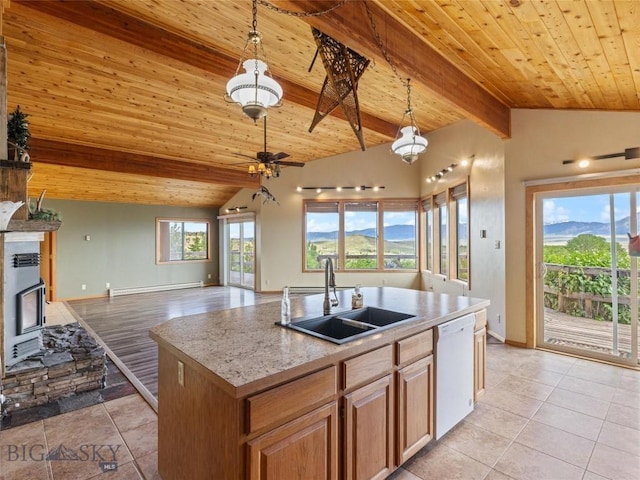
<point>544,417</point>
<point>123,431</point>
<point>58,314</point>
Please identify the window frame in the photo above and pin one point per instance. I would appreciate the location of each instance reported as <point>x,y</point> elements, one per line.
<point>340,258</point>
<point>446,199</point>
<point>159,240</point>
<point>457,193</point>
<point>441,204</point>
<point>426,225</point>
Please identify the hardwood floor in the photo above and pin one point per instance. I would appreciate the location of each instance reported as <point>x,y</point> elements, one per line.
<point>123,323</point>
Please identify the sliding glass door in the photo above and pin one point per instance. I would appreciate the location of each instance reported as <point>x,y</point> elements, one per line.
<point>587,282</point>
<point>240,253</point>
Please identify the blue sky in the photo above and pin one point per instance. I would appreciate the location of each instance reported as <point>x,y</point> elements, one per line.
<point>588,208</point>
<point>328,222</point>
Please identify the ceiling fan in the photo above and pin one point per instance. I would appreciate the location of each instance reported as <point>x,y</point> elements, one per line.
<point>268,164</point>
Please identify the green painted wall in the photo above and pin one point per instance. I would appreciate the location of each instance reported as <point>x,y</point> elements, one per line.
<point>121,249</point>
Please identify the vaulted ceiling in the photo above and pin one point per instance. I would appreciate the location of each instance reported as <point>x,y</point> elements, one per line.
<point>125,97</point>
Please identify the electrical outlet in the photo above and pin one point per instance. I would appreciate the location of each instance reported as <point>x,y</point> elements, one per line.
<point>83,286</point>
<point>180,373</point>
<point>499,319</point>
<point>497,244</point>
<point>209,276</point>
<point>108,285</point>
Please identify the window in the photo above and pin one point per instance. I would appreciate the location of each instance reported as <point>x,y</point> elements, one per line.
<point>459,198</point>
<point>441,203</point>
<point>361,235</point>
<point>428,233</point>
<point>446,239</point>
<point>182,240</point>
<point>322,226</point>
<point>240,246</point>
<point>400,234</point>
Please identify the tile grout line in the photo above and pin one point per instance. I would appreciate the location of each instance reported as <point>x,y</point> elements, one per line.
<point>46,446</point>
<point>120,432</point>
<point>529,420</point>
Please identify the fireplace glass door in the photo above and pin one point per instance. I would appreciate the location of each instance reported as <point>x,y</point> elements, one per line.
<point>30,308</point>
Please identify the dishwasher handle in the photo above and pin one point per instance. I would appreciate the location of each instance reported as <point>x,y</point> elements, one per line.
<point>456,326</point>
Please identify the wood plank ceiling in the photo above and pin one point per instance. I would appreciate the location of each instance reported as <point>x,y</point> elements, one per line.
<point>126,97</point>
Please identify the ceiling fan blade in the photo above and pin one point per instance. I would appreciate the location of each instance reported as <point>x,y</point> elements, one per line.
<point>292,164</point>
<point>278,156</point>
<point>243,155</point>
<point>244,163</point>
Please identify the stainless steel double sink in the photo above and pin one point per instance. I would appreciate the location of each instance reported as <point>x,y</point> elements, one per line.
<point>350,325</point>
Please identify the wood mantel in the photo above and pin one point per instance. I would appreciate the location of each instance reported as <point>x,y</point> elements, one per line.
<point>33,225</point>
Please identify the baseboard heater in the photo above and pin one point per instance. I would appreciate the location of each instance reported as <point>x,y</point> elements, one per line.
<point>116,292</point>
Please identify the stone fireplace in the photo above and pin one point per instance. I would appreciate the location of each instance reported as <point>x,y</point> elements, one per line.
<point>70,362</point>
<point>41,364</point>
<point>23,296</point>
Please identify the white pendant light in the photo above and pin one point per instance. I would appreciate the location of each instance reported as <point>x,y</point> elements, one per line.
<point>409,143</point>
<point>254,90</point>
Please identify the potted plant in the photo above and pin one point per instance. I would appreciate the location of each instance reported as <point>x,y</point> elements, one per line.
<point>18,135</point>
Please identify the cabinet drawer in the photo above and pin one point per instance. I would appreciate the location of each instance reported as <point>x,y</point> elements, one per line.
<point>415,347</point>
<point>299,395</point>
<point>367,366</point>
<point>481,319</point>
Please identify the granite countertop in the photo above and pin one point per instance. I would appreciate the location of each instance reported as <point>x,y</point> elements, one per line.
<point>242,347</point>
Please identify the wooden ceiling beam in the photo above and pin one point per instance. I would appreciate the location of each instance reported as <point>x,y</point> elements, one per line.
<point>73,155</point>
<point>119,25</point>
<point>411,56</point>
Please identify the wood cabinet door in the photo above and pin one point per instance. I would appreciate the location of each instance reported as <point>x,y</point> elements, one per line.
<point>415,407</point>
<point>303,449</point>
<point>368,431</point>
<point>479,362</point>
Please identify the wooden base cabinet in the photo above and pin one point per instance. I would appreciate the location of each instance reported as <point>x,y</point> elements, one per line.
<point>305,448</point>
<point>353,418</point>
<point>369,434</point>
<point>479,363</point>
<point>415,407</point>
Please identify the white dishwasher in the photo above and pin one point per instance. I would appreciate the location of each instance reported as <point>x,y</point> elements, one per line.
<point>454,372</point>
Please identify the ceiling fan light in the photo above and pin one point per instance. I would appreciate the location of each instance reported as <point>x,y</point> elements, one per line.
<point>409,145</point>
<point>254,90</point>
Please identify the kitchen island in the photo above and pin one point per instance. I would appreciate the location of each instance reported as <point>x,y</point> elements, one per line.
<point>240,397</point>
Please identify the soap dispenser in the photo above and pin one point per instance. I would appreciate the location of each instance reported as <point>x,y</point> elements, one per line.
<point>356,298</point>
<point>285,309</point>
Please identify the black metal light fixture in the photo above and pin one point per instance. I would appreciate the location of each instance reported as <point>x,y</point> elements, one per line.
<point>628,154</point>
<point>235,209</point>
<point>357,188</point>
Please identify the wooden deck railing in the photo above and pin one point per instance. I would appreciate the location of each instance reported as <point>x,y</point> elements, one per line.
<point>586,298</point>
